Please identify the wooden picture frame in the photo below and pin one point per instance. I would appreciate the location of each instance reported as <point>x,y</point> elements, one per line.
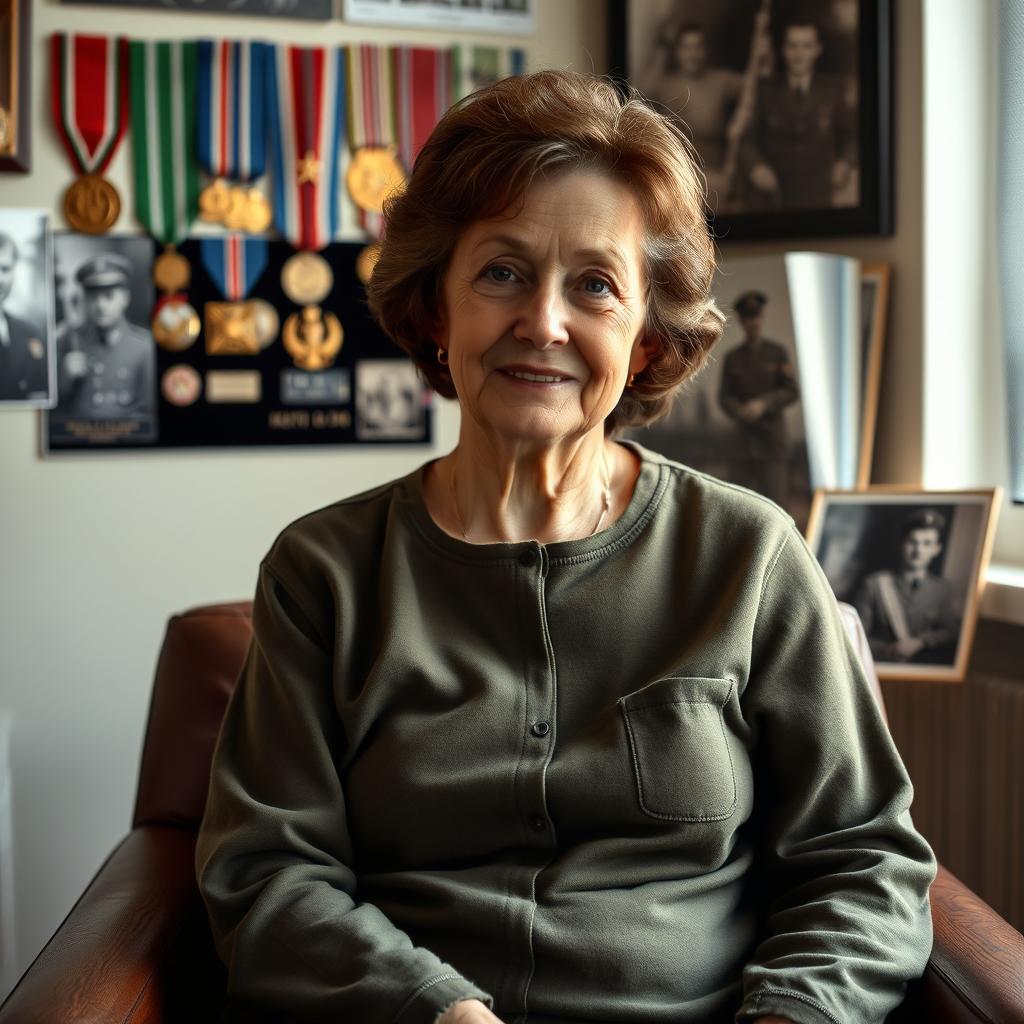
<point>15,86</point>
<point>724,68</point>
<point>912,562</point>
<point>875,283</point>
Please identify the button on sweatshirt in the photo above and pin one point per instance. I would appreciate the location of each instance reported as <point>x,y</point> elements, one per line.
<point>637,777</point>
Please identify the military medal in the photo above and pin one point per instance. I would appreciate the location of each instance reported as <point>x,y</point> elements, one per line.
<point>235,327</point>
<point>306,88</point>
<point>90,107</point>
<point>180,384</point>
<point>366,261</point>
<point>306,278</point>
<point>231,140</point>
<point>312,338</point>
<point>166,178</point>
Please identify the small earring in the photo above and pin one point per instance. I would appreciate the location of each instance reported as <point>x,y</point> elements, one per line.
<point>442,356</point>
<point>629,383</point>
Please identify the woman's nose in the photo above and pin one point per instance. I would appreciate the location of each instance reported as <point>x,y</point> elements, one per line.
<point>543,319</point>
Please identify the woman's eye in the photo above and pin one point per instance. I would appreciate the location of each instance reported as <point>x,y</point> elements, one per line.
<point>604,286</point>
<point>499,273</point>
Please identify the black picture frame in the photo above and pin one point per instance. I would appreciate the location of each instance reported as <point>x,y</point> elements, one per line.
<point>15,86</point>
<point>873,213</point>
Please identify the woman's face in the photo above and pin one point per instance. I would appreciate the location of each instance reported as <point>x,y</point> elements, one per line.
<point>556,292</point>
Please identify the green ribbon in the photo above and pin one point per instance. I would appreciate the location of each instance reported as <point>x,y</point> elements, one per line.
<point>163,108</point>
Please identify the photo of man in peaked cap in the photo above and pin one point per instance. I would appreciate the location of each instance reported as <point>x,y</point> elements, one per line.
<point>24,354</point>
<point>908,611</point>
<point>758,382</point>
<point>107,364</point>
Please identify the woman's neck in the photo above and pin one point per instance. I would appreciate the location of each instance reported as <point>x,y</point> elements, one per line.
<point>492,490</point>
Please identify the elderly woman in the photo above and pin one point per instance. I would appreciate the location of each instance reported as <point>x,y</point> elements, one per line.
<point>553,729</point>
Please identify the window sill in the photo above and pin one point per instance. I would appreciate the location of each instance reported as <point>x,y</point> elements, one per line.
<point>1003,596</point>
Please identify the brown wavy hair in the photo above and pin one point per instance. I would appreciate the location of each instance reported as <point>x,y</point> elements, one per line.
<point>479,161</point>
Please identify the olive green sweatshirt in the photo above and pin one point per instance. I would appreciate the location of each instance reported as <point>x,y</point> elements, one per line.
<point>638,777</point>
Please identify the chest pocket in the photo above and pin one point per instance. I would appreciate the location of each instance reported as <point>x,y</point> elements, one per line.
<point>680,751</point>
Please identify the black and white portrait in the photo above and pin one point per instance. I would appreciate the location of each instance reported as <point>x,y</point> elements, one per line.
<point>910,564</point>
<point>390,401</point>
<point>318,10</point>
<point>106,357</point>
<point>767,93</point>
<point>26,310</point>
<point>740,418</point>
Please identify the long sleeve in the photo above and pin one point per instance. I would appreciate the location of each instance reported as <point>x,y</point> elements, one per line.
<point>845,874</point>
<point>274,856</point>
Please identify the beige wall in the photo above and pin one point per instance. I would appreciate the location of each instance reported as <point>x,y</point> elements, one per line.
<point>99,549</point>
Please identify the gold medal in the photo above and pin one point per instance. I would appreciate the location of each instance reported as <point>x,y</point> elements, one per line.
<point>214,202</point>
<point>238,205</point>
<point>258,214</point>
<point>306,278</point>
<point>373,174</point>
<point>231,329</point>
<point>313,338</point>
<point>175,326</point>
<point>266,321</point>
<point>92,205</point>
<point>171,271</point>
<point>366,261</point>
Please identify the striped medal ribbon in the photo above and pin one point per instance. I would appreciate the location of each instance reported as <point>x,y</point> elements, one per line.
<point>306,92</point>
<point>89,90</point>
<point>474,67</point>
<point>374,170</point>
<point>163,98</point>
<point>423,92</point>
<point>231,131</point>
<point>235,327</point>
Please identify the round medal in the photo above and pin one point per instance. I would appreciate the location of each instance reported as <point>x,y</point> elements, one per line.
<point>238,205</point>
<point>373,175</point>
<point>267,321</point>
<point>171,271</point>
<point>306,278</point>
<point>258,214</point>
<point>180,384</point>
<point>214,202</point>
<point>92,205</point>
<point>175,325</point>
<point>366,261</point>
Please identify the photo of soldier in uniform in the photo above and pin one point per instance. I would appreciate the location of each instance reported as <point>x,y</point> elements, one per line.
<point>740,418</point>
<point>26,310</point>
<point>910,564</point>
<point>106,361</point>
<point>766,90</point>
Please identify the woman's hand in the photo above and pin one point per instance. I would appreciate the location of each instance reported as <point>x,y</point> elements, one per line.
<point>469,1011</point>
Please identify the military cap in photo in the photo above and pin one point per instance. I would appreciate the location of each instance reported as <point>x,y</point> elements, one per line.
<point>106,271</point>
<point>750,303</point>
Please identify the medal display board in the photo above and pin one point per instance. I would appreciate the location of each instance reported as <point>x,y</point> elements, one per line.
<point>298,361</point>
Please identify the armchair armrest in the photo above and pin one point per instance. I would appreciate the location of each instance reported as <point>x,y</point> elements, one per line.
<point>135,947</point>
<point>976,970</point>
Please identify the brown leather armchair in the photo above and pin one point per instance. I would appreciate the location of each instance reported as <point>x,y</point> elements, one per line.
<point>136,947</point>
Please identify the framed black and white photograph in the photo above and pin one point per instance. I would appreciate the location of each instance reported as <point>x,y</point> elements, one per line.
<point>788,105</point>
<point>313,10</point>
<point>27,357</point>
<point>516,16</point>
<point>15,86</point>
<point>106,356</point>
<point>391,400</point>
<point>741,418</point>
<point>913,565</point>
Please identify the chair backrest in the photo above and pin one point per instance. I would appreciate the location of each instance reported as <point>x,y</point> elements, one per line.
<point>203,652</point>
<point>200,661</point>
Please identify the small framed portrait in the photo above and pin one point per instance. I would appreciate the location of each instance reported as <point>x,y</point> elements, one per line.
<point>913,565</point>
<point>788,105</point>
<point>504,16</point>
<point>27,358</point>
<point>391,401</point>
<point>106,356</point>
<point>15,85</point>
<point>319,10</point>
